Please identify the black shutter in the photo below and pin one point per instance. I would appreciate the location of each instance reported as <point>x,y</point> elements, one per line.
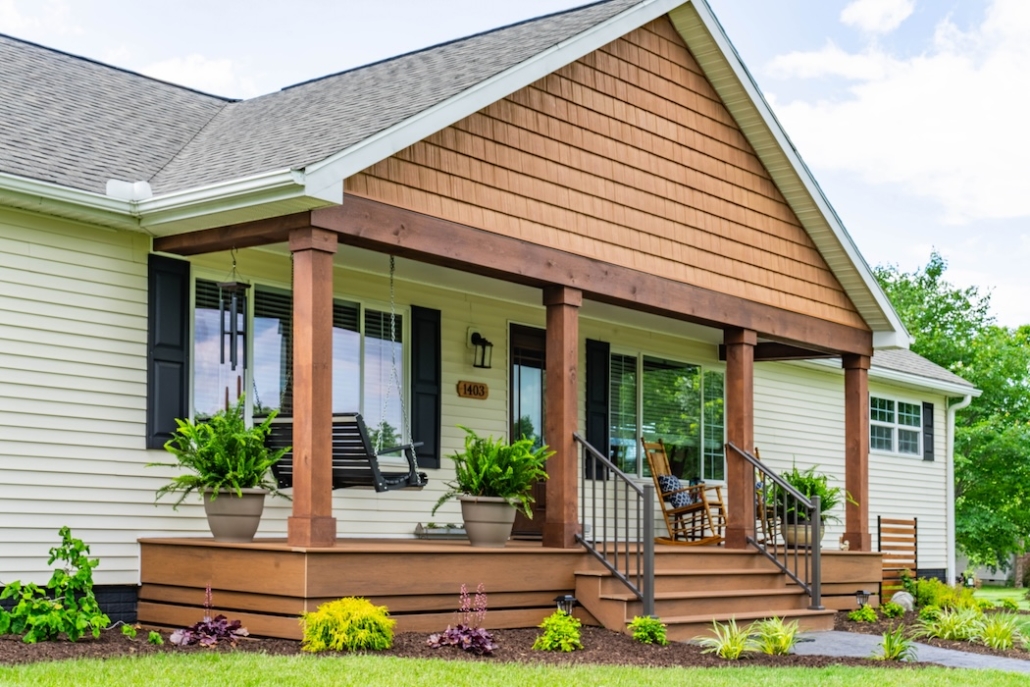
<point>168,359</point>
<point>927,431</point>
<point>598,422</point>
<point>425,385</point>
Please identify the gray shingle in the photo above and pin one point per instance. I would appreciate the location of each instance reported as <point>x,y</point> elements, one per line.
<point>902,360</point>
<point>78,123</point>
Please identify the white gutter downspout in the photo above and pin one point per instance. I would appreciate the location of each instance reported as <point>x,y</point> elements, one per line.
<point>950,472</point>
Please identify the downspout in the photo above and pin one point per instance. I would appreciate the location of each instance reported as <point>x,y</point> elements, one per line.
<point>950,477</point>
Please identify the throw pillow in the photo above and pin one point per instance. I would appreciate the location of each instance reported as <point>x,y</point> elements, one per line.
<point>668,483</point>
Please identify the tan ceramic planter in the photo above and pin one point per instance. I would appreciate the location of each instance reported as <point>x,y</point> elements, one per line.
<point>233,518</point>
<point>488,520</point>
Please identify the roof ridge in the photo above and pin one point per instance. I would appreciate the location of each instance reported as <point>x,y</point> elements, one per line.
<point>116,68</point>
<point>452,41</point>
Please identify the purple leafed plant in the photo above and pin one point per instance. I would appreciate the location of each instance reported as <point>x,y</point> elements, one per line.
<point>468,634</point>
<point>209,631</point>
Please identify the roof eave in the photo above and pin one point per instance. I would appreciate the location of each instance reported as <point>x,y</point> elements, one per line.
<point>62,201</point>
<point>908,379</point>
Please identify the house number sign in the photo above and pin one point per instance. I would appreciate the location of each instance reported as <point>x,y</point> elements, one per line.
<point>476,390</point>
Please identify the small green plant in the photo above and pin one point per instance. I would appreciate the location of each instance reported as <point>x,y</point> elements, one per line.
<point>892,610</point>
<point>648,630</point>
<point>1008,604</point>
<point>895,646</point>
<point>773,636</point>
<point>928,613</point>
<point>866,614</point>
<point>561,633</point>
<point>348,624</point>
<point>730,642</point>
<point>999,631</point>
<point>129,631</point>
<point>155,638</point>
<point>67,605</point>
<point>953,623</point>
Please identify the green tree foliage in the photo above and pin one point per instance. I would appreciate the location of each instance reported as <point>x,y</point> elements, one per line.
<point>954,328</point>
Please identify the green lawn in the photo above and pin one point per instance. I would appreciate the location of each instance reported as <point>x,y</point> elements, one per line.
<point>996,594</point>
<point>254,669</point>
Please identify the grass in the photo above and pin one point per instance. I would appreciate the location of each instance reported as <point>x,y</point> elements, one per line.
<point>248,670</point>
<point>996,594</point>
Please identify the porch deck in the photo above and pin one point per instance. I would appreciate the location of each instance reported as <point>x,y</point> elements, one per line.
<point>267,584</point>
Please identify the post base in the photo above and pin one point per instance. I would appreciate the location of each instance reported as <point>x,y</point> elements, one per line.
<point>858,541</point>
<point>560,535</point>
<point>311,531</point>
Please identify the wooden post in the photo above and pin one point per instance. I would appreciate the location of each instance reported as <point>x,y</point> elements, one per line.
<point>312,522</point>
<point>740,431</point>
<point>561,415</point>
<point>856,451</point>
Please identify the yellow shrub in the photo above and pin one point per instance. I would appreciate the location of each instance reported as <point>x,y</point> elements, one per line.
<point>349,624</point>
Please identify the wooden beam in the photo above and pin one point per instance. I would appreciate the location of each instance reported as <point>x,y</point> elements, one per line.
<point>312,522</point>
<point>740,431</point>
<point>562,416</point>
<point>856,451</point>
<point>258,233</point>
<point>377,226</point>
<point>767,351</point>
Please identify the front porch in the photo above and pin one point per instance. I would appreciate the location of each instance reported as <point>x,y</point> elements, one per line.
<point>267,584</point>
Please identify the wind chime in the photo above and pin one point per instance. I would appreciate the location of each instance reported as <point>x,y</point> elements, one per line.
<point>236,290</point>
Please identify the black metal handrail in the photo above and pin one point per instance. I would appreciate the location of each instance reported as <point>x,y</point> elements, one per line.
<point>780,510</point>
<point>616,539</point>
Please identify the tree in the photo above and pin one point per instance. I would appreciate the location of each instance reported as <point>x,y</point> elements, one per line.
<point>954,328</point>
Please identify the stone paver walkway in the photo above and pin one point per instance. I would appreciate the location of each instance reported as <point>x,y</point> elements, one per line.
<point>835,643</point>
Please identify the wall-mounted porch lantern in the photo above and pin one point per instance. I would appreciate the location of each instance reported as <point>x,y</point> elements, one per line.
<point>482,350</point>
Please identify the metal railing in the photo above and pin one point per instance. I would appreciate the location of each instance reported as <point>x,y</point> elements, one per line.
<point>621,530</point>
<point>781,530</point>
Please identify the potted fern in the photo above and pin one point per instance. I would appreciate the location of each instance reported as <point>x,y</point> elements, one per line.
<point>797,530</point>
<point>491,480</point>
<point>228,464</point>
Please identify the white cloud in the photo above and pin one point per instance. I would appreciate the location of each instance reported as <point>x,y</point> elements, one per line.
<point>215,76</point>
<point>948,124</point>
<point>40,20</point>
<point>877,16</point>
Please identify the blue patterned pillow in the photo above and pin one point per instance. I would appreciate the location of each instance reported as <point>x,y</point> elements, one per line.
<point>669,483</point>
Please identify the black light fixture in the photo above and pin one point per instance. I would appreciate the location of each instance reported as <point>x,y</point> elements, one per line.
<point>483,351</point>
<point>566,602</point>
<point>237,292</point>
<point>861,597</point>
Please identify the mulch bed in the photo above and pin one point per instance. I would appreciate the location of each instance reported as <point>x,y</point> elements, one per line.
<point>602,647</point>
<point>911,621</point>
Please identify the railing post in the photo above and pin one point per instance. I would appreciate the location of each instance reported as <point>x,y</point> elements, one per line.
<point>648,581</point>
<point>816,582</point>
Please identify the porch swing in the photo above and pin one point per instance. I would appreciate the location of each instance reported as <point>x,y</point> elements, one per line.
<point>355,455</point>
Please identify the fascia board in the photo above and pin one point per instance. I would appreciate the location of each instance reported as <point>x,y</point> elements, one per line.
<point>346,163</point>
<point>62,201</point>
<point>755,101</point>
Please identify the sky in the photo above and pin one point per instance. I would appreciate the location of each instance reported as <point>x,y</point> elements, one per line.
<point>910,113</point>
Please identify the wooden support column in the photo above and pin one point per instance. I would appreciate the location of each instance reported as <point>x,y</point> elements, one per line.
<point>740,431</point>
<point>312,522</point>
<point>856,451</point>
<point>561,415</point>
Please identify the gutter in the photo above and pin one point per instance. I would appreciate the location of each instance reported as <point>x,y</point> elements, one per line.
<point>950,481</point>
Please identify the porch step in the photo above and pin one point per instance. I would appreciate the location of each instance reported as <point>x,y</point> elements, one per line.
<point>687,580</point>
<point>695,558</point>
<point>712,603</point>
<point>688,627</point>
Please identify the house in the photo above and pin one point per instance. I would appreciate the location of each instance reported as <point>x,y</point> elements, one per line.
<point>602,193</point>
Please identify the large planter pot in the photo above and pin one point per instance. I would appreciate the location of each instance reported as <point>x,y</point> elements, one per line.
<point>234,518</point>
<point>488,520</point>
<point>799,535</point>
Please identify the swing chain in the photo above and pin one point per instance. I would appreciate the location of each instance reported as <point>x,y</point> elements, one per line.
<point>395,378</point>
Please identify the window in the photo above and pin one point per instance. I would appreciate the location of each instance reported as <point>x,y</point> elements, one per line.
<point>895,426</point>
<point>680,403</point>
<point>365,355</point>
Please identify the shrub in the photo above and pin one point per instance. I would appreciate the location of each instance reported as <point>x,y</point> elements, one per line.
<point>927,613</point>
<point>467,632</point>
<point>129,631</point>
<point>67,605</point>
<point>985,604</point>
<point>773,636</point>
<point>953,623</point>
<point>892,610</point>
<point>348,624</point>
<point>648,630</point>
<point>155,638</point>
<point>729,642</point>
<point>1008,604</point>
<point>999,631</point>
<point>561,633</point>
<point>866,614</point>
<point>895,646</point>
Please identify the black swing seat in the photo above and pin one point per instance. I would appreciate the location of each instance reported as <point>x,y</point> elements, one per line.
<point>355,461</point>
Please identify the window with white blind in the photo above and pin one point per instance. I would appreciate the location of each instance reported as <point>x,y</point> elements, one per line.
<point>895,426</point>
<point>679,403</point>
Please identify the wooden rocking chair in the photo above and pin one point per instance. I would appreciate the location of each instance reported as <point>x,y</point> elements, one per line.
<point>699,516</point>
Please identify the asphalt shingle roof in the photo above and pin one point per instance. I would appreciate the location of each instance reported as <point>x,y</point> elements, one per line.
<point>903,360</point>
<point>78,123</point>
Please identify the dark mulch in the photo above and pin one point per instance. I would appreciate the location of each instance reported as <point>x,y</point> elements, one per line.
<point>911,622</point>
<point>602,647</point>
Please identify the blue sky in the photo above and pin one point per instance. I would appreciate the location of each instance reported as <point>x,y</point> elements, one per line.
<point>910,112</point>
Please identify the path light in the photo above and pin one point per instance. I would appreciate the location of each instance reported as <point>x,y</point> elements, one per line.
<point>862,597</point>
<point>566,602</point>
